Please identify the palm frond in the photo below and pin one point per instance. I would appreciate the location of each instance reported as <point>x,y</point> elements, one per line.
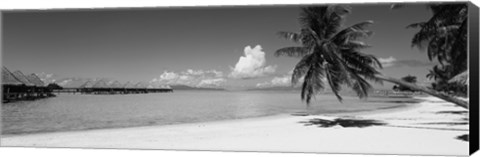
<point>295,51</point>
<point>312,84</point>
<point>295,37</point>
<point>353,32</point>
<point>360,86</point>
<point>301,68</point>
<point>352,44</point>
<point>416,25</point>
<point>334,80</point>
<point>335,15</point>
<point>310,17</point>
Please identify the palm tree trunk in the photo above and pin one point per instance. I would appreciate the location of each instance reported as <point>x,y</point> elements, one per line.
<point>431,92</point>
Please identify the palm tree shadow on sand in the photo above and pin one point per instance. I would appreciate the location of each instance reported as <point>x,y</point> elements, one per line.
<point>463,137</point>
<point>359,123</point>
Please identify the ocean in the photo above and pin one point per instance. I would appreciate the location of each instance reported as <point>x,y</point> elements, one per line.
<point>70,112</point>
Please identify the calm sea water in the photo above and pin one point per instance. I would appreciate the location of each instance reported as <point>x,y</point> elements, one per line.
<point>68,112</point>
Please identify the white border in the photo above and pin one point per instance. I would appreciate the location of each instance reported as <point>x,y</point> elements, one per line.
<point>6,5</point>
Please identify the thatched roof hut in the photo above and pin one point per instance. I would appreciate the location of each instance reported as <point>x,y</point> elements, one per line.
<point>88,84</point>
<point>115,84</point>
<point>461,78</point>
<point>22,78</point>
<point>8,78</point>
<point>71,82</point>
<point>101,84</point>
<point>141,85</point>
<point>128,85</point>
<point>33,78</point>
<point>150,86</point>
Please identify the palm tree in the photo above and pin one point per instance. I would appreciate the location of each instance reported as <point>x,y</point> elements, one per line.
<point>332,52</point>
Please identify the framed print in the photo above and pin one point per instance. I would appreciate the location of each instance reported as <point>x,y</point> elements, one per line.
<point>357,78</point>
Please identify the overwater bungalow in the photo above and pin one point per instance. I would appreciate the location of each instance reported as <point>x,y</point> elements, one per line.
<point>40,89</point>
<point>86,88</point>
<point>103,86</point>
<point>158,89</point>
<point>116,88</point>
<point>29,90</point>
<point>17,86</point>
<point>141,87</point>
<point>100,87</point>
<point>129,88</point>
<point>12,88</point>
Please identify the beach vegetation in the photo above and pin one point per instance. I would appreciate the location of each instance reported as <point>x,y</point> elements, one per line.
<point>409,79</point>
<point>444,37</point>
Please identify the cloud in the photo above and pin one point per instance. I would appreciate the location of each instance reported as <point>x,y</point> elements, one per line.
<point>215,82</point>
<point>252,65</point>
<point>414,63</point>
<point>282,81</point>
<point>47,78</point>
<point>387,62</point>
<point>194,78</point>
<point>393,62</point>
<point>168,76</point>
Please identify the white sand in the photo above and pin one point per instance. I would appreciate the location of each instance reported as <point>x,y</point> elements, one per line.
<point>404,134</point>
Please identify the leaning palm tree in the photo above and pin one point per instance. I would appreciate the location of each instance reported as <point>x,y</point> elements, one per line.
<point>329,51</point>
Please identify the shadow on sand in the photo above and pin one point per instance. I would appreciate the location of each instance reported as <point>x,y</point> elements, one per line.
<point>453,112</point>
<point>463,137</point>
<point>446,123</point>
<point>342,122</point>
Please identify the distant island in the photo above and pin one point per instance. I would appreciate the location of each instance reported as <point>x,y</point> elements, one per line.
<point>277,88</point>
<point>185,87</point>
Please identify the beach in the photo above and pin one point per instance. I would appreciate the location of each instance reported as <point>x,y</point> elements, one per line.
<point>425,128</point>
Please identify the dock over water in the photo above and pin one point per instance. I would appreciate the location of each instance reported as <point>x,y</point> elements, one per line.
<point>16,87</point>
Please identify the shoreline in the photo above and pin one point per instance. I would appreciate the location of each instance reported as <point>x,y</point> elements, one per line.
<point>399,107</point>
<point>279,133</point>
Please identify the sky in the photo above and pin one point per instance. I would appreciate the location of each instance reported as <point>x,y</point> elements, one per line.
<point>227,47</point>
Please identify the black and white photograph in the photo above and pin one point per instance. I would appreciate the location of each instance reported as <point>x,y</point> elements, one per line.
<point>360,78</point>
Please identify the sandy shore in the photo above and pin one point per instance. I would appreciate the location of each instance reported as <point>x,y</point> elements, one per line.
<point>425,128</point>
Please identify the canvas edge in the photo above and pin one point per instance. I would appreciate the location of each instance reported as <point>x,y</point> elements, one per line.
<point>473,65</point>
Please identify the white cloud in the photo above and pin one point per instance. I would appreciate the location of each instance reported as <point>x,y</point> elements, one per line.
<point>194,78</point>
<point>391,61</point>
<point>194,72</point>
<point>283,81</point>
<point>387,62</point>
<point>252,65</point>
<point>168,75</point>
<point>217,73</point>
<point>47,78</point>
<point>215,82</point>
